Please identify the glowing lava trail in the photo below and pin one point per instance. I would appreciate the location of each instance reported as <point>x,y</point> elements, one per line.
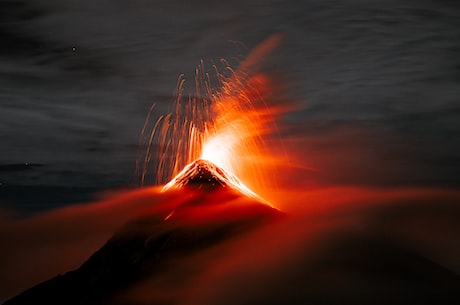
<point>224,122</point>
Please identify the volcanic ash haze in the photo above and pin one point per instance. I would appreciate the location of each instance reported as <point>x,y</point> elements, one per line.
<point>346,246</point>
<point>202,244</point>
<point>163,249</point>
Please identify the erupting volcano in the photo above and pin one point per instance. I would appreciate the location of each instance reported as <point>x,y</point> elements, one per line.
<point>204,175</point>
<point>201,173</point>
<point>220,129</point>
<point>202,231</point>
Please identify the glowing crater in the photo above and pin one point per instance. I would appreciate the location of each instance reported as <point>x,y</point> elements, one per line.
<point>204,174</point>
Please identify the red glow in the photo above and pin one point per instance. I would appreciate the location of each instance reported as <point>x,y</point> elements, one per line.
<point>226,121</point>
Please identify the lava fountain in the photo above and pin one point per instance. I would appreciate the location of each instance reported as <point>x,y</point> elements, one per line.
<point>222,126</point>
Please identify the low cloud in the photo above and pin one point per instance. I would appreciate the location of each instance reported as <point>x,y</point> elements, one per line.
<point>336,244</point>
<point>37,248</point>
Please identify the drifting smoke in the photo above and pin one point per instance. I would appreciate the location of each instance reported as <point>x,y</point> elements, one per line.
<point>346,245</point>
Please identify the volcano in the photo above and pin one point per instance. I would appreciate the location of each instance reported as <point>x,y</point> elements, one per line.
<point>214,208</point>
<point>202,174</point>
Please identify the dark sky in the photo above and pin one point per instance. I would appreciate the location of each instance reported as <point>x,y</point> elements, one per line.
<point>378,84</point>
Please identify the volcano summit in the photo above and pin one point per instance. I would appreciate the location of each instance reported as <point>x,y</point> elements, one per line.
<point>202,174</point>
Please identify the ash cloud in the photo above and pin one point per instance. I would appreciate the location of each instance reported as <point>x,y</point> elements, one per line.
<point>369,246</point>
<point>42,246</point>
<point>337,244</point>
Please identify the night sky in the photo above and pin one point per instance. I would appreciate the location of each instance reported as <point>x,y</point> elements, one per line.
<point>376,86</point>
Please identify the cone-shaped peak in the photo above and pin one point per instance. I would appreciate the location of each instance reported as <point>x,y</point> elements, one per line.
<point>205,175</point>
<point>200,173</point>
